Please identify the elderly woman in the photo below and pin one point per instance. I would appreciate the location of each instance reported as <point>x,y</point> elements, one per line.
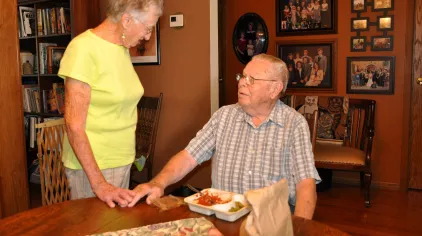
<point>102,92</point>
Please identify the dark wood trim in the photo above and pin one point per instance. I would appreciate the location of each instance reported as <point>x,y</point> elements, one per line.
<point>13,172</point>
<point>415,160</point>
<point>410,29</point>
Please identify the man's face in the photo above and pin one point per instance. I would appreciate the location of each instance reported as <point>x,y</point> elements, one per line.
<point>252,96</point>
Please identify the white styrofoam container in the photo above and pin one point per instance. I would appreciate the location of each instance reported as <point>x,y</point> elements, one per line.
<point>221,211</point>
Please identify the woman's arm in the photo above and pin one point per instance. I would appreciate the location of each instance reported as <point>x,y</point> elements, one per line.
<point>78,96</point>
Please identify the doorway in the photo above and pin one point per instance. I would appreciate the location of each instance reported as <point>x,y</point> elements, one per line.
<point>415,153</point>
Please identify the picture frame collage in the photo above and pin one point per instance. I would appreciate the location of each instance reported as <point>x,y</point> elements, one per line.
<point>371,74</point>
<point>384,24</point>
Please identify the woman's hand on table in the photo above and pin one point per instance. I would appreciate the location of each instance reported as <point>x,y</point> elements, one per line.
<point>152,189</point>
<point>112,195</point>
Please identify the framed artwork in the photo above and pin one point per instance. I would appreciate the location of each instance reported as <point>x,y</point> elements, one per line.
<point>360,24</point>
<point>382,43</point>
<point>54,56</point>
<point>311,66</point>
<point>382,5</point>
<point>370,75</point>
<point>385,23</point>
<point>250,37</point>
<point>305,17</point>
<point>359,5</point>
<point>358,44</point>
<point>147,52</point>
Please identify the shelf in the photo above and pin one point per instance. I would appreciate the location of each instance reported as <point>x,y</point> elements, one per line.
<point>27,37</point>
<point>49,75</point>
<point>33,75</point>
<point>43,114</point>
<point>30,2</point>
<point>53,35</point>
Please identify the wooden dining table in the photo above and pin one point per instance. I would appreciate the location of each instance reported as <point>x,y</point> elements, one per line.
<point>91,216</point>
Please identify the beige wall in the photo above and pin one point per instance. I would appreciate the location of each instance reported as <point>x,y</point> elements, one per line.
<point>184,79</point>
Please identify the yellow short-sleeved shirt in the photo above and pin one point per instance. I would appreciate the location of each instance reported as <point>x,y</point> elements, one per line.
<point>115,93</point>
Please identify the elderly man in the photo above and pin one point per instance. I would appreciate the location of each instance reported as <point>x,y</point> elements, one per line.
<point>254,143</point>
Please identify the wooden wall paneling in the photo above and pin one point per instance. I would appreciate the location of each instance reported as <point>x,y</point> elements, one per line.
<point>415,178</point>
<point>13,172</point>
<point>86,14</point>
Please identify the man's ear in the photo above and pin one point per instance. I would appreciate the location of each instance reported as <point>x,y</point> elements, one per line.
<point>276,89</point>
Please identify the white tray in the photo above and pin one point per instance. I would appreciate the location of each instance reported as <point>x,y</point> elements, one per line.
<point>221,211</point>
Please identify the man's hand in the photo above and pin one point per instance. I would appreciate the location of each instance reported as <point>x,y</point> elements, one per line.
<point>152,189</point>
<point>111,194</point>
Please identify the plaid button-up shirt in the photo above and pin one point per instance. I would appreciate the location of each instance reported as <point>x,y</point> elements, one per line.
<point>248,157</point>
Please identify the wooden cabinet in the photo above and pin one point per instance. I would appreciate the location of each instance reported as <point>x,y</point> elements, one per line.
<point>14,193</point>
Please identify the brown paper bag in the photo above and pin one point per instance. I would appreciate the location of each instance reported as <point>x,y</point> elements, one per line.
<point>270,211</point>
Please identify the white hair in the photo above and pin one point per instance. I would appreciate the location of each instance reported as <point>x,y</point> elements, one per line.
<point>278,69</point>
<point>136,8</point>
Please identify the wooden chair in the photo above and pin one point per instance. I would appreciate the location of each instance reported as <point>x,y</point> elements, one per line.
<point>353,153</point>
<point>313,123</point>
<point>149,109</point>
<point>54,185</point>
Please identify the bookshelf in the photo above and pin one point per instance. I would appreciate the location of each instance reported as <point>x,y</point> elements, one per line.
<point>45,28</point>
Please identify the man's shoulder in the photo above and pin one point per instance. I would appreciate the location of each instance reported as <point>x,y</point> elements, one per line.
<point>232,108</point>
<point>229,111</point>
<point>289,114</point>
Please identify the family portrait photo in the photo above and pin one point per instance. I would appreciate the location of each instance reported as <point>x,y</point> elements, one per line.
<point>381,43</point>
<point>358,44</point>
<point>250,37</point>
<point>305,16</point>
<point>370,75</point>
<point>309,65</point>
<point>381,5</point>
<point>361,24</point>
<point>359,5</point>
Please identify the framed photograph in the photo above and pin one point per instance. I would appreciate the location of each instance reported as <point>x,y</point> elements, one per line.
<point>54,56</point>
<point>311,66</point>
<point>382,5</point>
<point>385,23</point>
<point>370,75</point>
<point>305,17</point>
<point>358,44</point>
<point>382,43</point>
<point>250,37</point>
<point>360,24</point>
<point>359,5</point>
<point>147,52</point>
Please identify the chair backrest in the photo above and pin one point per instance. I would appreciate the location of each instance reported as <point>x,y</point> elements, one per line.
<point>54,185</point>
<point>146,129</point>
<point>312,123</point>
<point>359,123</point>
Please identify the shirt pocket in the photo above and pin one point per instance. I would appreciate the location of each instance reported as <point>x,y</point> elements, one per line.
<point>273,164</point>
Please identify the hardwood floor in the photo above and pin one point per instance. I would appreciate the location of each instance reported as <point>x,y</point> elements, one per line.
<point>391,213</point>
<point>342,207</point>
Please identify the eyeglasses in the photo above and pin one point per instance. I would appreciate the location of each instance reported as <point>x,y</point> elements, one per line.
<point>149,28</point>
<point>249,79</point>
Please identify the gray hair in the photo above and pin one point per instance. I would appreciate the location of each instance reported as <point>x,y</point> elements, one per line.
<point>278,69</point>
<point>136,8</point>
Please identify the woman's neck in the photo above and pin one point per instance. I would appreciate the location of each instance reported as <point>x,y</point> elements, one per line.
<point>109,31</point>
